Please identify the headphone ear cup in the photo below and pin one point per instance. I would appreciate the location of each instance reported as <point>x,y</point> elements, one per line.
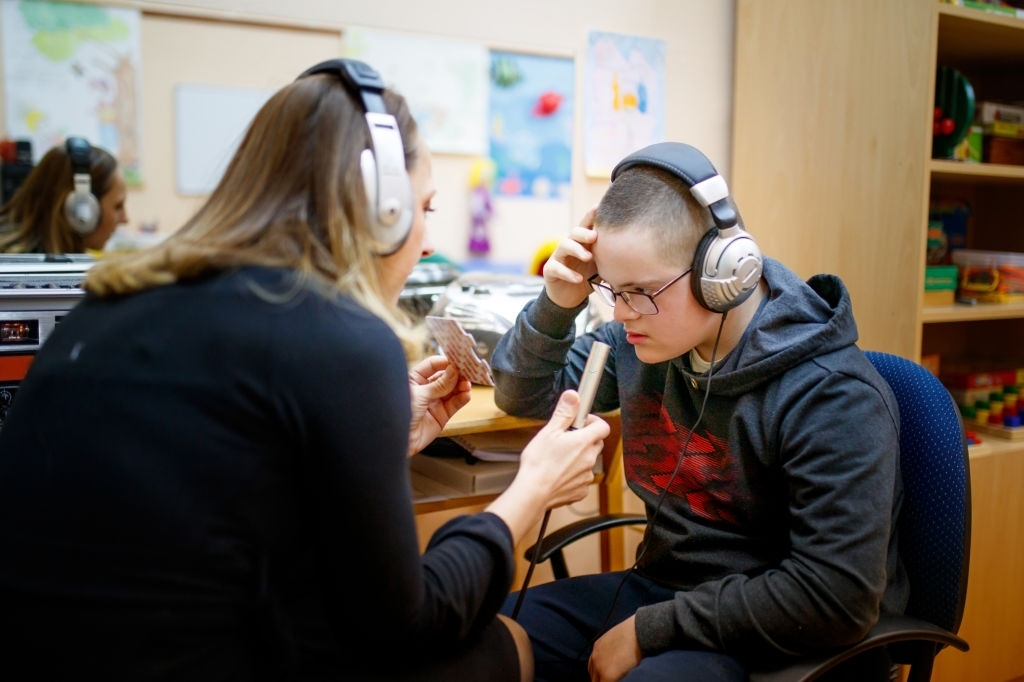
<point>81,207</point>
<point>390,216</point>
<point>388,187</point>
<point>729,266</point>
<point>699,258</point>
<point>82,211</point>
<point>369,168</point>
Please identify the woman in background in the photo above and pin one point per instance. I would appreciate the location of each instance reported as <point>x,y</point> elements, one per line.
<point>204,475</point>
<point>48,214</point>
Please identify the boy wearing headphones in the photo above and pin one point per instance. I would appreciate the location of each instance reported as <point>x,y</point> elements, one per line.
<point>760,439</point>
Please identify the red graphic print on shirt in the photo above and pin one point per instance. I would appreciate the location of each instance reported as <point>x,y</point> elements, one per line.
<point>652,449</point>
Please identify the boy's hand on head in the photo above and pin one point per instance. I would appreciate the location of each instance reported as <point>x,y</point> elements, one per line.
<point>567,270</point>
<point>587,220</point>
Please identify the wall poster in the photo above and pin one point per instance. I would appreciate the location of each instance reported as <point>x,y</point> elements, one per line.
<point>624,98</point>
<point>73,69</point>
<point>444,82</point>
<point>531,124</point>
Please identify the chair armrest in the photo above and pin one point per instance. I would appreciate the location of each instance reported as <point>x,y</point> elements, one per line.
<point>890,629</point>
<point>554,542</point>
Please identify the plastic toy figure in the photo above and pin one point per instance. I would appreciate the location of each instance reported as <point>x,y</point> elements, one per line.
<point>481,177</point>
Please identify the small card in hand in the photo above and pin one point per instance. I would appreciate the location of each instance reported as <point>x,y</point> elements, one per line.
<point>460,348</point>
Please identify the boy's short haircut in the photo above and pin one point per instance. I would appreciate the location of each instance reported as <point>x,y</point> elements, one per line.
<point>650,198</point>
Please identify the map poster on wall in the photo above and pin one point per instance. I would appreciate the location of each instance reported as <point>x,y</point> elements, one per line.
<point>531,124</point>
<point>73,69</point>
<point>624,98</point>
<point>444,82</point>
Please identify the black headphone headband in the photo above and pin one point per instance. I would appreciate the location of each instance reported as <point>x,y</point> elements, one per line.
<point>358,78</point>
<point>79,152</point>
<point>727,264</point>
<point>388,189</point>
<point>695,169</point>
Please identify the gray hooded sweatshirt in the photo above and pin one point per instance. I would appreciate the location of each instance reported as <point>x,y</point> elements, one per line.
<point>778,528</point>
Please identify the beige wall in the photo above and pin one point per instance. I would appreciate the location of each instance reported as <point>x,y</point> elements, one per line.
<point>265,43</point>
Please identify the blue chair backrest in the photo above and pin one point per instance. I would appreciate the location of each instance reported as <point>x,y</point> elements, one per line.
<point>935,521</point>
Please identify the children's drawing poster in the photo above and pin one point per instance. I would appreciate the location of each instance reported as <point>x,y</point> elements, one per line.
<point>444,82</point>
<point>531,124</point>
<point>74,69</point>
<point>624,98</point>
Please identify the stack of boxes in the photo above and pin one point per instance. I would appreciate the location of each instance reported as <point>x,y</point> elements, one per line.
<point>1002,127</point>
<point>996,136</point>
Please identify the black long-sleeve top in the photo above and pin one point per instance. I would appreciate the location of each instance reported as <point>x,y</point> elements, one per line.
<point>209,480</point>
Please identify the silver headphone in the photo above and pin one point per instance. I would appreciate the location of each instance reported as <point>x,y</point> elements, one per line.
<point>728,262</point>
<point>81,207</point>
<point>388,189</point>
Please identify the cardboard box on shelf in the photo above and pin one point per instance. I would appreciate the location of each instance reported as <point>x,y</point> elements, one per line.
<point>1005,150</point>
<point>938,298</point>
<point>1003,129</point>
<point>474,477</point>
<point>940,282</point>
<point>940,278</point>
<point>989,112</point>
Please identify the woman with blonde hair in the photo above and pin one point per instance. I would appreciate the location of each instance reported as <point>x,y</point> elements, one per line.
<point>71,202</point>
<point>228,495</point>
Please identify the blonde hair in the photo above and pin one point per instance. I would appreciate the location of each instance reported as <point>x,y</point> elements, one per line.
<point>659,202</point>
<point>33,220</point>
<point>292,197</point>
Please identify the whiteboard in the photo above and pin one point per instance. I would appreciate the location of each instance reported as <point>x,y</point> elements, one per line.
<point>209,123</point>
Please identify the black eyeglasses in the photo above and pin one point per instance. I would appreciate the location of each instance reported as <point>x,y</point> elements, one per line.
<point>637,301</point>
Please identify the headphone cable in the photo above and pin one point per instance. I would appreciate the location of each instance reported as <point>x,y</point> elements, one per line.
<point>657,508</point>
<point>587,388</point>
<point>661,498</point>
<point>533,563</point>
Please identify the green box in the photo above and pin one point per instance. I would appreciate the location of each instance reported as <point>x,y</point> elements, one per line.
<point>970,148</point>
<point>940,278</point>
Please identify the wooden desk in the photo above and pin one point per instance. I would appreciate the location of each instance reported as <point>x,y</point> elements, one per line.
<point>482,415</point>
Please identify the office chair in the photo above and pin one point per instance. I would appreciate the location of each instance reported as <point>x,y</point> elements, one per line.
<point>934,528</point>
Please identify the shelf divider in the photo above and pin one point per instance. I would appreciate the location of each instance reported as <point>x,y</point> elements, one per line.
<point>976,173</point>
<point>963,312</point>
